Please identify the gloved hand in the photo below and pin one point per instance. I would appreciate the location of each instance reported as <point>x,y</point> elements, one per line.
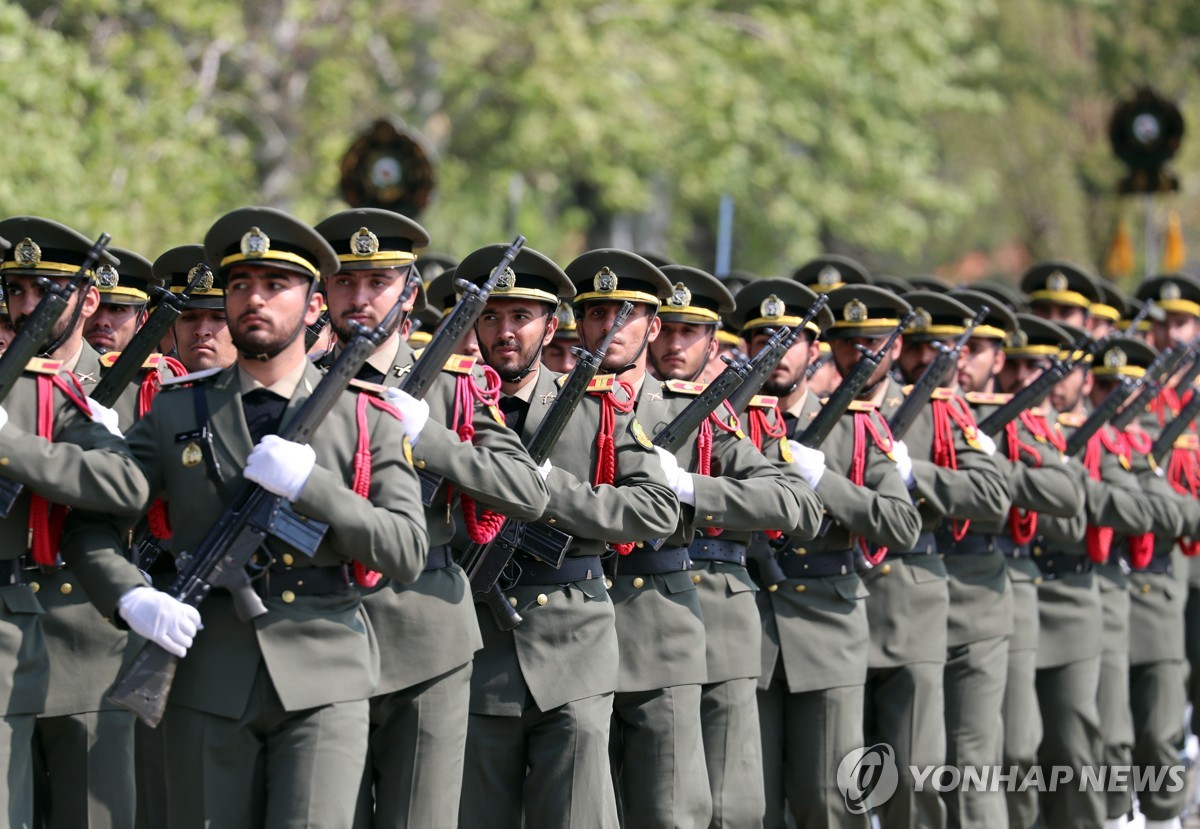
<point>544,470</point>
<point>3,417</point>
<point>280,466</point>
<point>903,462</point>
<point>159,617</point>
<point>681,482</point>
<point>810,462</point>
<point>415,413</point>
<point>105,416</point>
<point>985,443</point>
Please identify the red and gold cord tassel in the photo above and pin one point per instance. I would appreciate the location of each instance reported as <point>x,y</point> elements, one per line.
<point>606,455</point>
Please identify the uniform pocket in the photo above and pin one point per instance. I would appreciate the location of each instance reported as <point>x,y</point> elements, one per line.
<point>18,598</point>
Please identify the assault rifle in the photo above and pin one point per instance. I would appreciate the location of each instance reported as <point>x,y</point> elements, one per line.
<point>313,332</point>
<point>1167,437</point>
<point>471,302</point>
<point>226,556</point>
<point>1039,388</point>
<point>1110,406</point>
<point>36,331</point>
<point>485,563</point>
<point>771,355</point>
<point>1148,386</point>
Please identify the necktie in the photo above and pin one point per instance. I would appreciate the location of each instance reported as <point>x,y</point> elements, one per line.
<point>263,410</point>
<point>514,410</point>
<point>369,374</point>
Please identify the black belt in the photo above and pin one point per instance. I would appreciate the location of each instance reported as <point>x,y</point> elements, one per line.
<point>972,544</point>
<point>644,561</point>
<point>814,565</point>
<point>304,581</point>
<point>1009,548</point>
<point>440,557</point>
<point>926,544</point>
<point>1056,564</point>
<point>28,564</point>
<point>1159,565</point>
<point>710,549</point>
<point>574,568</point>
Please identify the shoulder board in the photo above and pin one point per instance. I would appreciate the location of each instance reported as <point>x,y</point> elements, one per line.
<point>942,394</point>
<point>40,365</point>
<point>1072,420</point>
<point>1039,411</point>
<point>982,398</point>
<point>374,388</point>
<point>763,401</point>
<point>1187,442</point>
<point>685,387</point>
<point>602,383</point>
<point>417,352</point>
<point>193,377</point>
<point>109,359</point>
<point>906,389</point>
<point>459,364</point>
<point>861,406</point>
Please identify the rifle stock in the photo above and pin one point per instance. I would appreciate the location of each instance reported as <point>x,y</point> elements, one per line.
<point>1039,388</point>
<point>769,357</point>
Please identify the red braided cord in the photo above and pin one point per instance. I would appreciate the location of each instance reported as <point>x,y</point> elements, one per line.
<point>864,425</point>
<point>606,462</point>
<point>157,517</point>
<point>362,470</point>
<point>46,519</point>
<point>944,454</point>
<point>761,426</point>
<point>481,528</point>
<point>1022,526</point>
<point>1098,539</point>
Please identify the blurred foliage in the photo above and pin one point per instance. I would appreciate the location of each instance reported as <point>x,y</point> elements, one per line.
<point>904,132</point>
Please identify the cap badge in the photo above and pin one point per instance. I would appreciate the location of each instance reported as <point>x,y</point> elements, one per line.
<point>829,276</point>
<point>1057,281</point>
<point>566,320</point>
<point>921,319</point>
<point>855,311</point>
<point>1170,292</point>
<point>255,244</point>
<point>364,243</point>
<point>772,307</point>
<point>1115,358</point>
<point>206,281</point>
<point>27,253</point>
<point>507,280</point>
<point>107,276</point>
<point>1018,339</point>
<point>681,297</point>
<point>605,281</point>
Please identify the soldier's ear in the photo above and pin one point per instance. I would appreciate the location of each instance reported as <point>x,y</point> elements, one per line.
<point>655,327</point>
<point>91,301</point>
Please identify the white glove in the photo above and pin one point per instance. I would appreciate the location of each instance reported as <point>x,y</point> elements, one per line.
<point>544,470</point>
<point>105,416</point>
<point>280,466</point>
<point>680,482</point>
<point>810,462</point>
<point>415,413</point>
<point>3,417</point>
<point>985,442</point>
<point>161,618</point>
<point>903,462</point>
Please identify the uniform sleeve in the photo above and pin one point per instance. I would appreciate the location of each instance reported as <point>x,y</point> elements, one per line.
<point>1050,488</point>
<point>975,490</point>
<point>1116,500</point>
<point>881,510</point>
<point>385,531</point>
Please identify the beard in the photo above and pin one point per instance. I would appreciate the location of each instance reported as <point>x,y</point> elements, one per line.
<point>511,367</point>
<point>261,343</point>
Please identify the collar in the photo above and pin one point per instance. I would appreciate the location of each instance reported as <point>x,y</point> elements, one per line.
<point>285,386</point>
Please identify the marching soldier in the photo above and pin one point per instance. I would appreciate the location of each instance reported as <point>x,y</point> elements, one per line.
<point>83,759</point>
<point>729,489</point>
<point>954,481</point>
<point>201,334</point>
<point>829,272</point>
<point>558,354</point>
<point>816,642</point>
<point>124,296</point>
<point>542,693</point>
<point>441,296</point>
<point>1061,293</point>
<point>260,709</point>
<point>427,630</point>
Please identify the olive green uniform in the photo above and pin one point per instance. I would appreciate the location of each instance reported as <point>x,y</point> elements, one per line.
<point>260,709</point>
<point>541,694</point>
<point>815,637</point>
<point>908,607</point>
<point>427,630</point>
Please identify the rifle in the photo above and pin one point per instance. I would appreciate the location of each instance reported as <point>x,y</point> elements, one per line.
<point>145,341</point>
<point>816,365</point>
<point>1148,386</point>
<point>226,554</point>
<point>850,387</point>
<point>930,379</point>
<point>1191,359</point>
<point>36,331</point>
<point>1039,388</point>
<point>771,355</point>
<point>484,563</point>
<point>471,302</point>
<point>312,333</point>
<point>1108,407</point>
<point>1166,438</point>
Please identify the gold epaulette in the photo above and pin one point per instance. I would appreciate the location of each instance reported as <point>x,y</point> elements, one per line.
<point>942,394</point>
<point>1039,411</point>
<point>860,406</point>
<point>109,360</point>
<point>41,365</point>
<point>374,388</point>
<point>1187,442</point>
<point>602,383</point>
<point>1072,420</point>
<point>984,398</point>
<point>183,379</point>
<point>763,401</point>
<point>459,364</point>
<point>905,390</point>
<point>685,387</point>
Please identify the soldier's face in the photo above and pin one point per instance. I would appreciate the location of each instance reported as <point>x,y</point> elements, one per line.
<point>790,371</point>
<point>558,356</point>
<point>595,320</point>
<point>982,359</point>
<point>7,332</point>
<point>681,350</point>
<point>202,339</point>
<point>1099,327</point>
<point>113,326</point>
<point>1071,390</point>
<point>24,294</point>
<point>265,307</point>
<point>512,333</point>
<point>364,297</point>
<point>846,355</point>
<point>1019,373</point>
<point>1176,329</point>
<point>1057,312</point>
<point>915,357</point>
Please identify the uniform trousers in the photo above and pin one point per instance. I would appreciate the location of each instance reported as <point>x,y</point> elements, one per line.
<point>1191,628</point>
<point>16,784</point>
<point>973,683</point>
<point>1112,696</point>
<point>733,752</point>
<point>1071,737</point>
<point>1157,699</point>
<point>414,770</point>
<point>269,768</point>
<point>805,736</point>
<point>83,771</point>
<point>541,770</point>
<point>1022,717</point>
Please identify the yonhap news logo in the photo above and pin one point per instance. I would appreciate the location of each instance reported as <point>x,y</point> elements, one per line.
<point>867,777</point>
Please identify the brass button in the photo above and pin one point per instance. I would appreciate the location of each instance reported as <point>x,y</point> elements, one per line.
<point>695,578</point>
<point>885,569</point>
<point>608,583</point>
<point>3,461</point>
<point>551,520</point>
<point>512,600</point>
<point>921,502</point>
<point>801,551</point>
<point>771,588</point>
<point>542,599</point>
<point>708,518</point>
<point>34,586</point>
<point>419,464</point>
<point>800,588</point>
<point>1037,580</point>
<point>638,582</point>
<point>288,596</point>
<point>1146,588</point>
<point>639,545</point>
<point>1037,551</point>
<point>65,588</point>
<point>288,559</point>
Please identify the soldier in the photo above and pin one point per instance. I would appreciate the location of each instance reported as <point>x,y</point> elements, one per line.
<point>830,271</point>
<point>558,355</point>
<point>441,295</point>
<point>427,630</point>
<point>815,641</point>
<point>7,332</point>
<point>955,481</point>
<point>201,334</point>
<point>85,760</point>
<point>731,490</point>
<point>124,296</point>
<point>1104,315</point>
<point>542,701</point>
<point>1061,292</point>
<point>261,709</point>
<point>1028,438</point>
